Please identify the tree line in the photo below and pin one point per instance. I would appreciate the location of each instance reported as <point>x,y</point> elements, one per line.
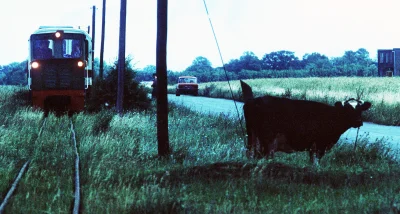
<point>276,64</point>
<point>14,73</point>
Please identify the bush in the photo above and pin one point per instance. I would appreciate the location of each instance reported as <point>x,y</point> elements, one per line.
<point>208,89</point>
<point>104,91</point>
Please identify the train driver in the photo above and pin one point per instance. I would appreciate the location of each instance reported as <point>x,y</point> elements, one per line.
<point>76,52</point>
<point>43,51</point>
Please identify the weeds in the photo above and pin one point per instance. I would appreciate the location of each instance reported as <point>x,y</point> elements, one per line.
<point>102,122</point>
<point>288,93</point>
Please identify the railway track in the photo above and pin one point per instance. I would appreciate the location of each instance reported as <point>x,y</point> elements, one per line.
<point>37,170</point>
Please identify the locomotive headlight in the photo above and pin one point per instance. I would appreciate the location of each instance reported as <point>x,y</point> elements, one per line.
<point>57,34</point>
<point>35,65</point>
<point>80,64</point>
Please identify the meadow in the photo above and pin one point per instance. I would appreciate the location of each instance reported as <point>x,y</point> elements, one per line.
<point>207,171</point>
<point>382,92</point>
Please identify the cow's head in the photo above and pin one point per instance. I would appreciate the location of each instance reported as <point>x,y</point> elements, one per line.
<point>352,109</point>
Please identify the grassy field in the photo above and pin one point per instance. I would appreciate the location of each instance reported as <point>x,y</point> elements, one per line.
<point>382,92</point>
<point>207,171</point>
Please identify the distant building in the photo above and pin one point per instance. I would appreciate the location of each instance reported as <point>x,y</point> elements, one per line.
<point>389,62</point>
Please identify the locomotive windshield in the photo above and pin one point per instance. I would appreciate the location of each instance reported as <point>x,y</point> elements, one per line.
<point>47,47</point>
<point>42,49</point>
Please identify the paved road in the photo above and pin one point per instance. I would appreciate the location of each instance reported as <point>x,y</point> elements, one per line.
<point>208,105</point>
<point>222,106</point>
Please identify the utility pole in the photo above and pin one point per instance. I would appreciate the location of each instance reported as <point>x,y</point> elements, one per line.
<point>103,25</point>
<point>121,57</point>
<point>161,71</point>
<point>93,34</point>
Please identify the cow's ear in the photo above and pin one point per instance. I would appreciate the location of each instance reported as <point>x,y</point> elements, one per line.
<point>365,106</point>
<point>247,91</point>
<point>338,104</point>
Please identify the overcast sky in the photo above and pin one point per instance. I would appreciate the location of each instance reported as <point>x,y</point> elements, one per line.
<point>329,27</point>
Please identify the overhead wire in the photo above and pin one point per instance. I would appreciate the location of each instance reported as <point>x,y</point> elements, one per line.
<point>223,66</point>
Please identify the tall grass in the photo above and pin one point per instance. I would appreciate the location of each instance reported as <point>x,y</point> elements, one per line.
<point>48,184</point>
<point>207,171</point>
<point>19,141</point>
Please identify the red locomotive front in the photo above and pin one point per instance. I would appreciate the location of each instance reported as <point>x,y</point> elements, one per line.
<point>59,68</point>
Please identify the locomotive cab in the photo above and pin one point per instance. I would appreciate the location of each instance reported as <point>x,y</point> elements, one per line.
<point>59,68</point>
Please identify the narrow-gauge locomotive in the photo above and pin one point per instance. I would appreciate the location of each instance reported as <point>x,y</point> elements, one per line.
<point>60,68</point>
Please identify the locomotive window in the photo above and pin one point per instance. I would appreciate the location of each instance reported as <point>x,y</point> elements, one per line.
<point>68,46</point>
<point>391,57</point>
<point>42,49</point>
<point>72,48</point>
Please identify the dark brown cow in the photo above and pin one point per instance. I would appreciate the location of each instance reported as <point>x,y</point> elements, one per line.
<point>281,124</point>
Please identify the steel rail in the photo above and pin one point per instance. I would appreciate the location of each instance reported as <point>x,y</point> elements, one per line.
<point>19,176</point>
<point>77,195</point>
<point>13,187</point>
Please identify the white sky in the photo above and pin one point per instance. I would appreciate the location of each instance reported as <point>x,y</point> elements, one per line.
<point>329,27</point>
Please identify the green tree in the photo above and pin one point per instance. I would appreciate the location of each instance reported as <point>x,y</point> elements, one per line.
<point>249,61</point>
<point>200,64</point>
<point>146,74</point>
<point>106,68</point>
<point>105,91</point>
<point>318,65</point>
<point>313,58</point>
<point>14,74</point>
<point>354,63</point>
<point>280,60</point>
<point>150,69</point>
<point>234,66</point>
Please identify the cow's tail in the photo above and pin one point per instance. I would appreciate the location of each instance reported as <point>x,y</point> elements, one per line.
<point>247,92</point>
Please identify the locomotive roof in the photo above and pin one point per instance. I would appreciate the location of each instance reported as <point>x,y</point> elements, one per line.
<point>66,29</point>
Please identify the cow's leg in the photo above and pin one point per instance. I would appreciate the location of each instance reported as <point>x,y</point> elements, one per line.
<point>312,153</point>
<point>252,147</point>
<point>314,158</point>
<point>267,147</point>
<point>249,146</point>
<point>257,145</point>
<point>316,153</point>
<point>279,140</point>
<point>272,147</point>
<point>261,141</point>
<point>316,161</point>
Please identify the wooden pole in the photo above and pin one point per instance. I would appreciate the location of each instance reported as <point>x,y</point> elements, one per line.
<point>121,58</point>
<point>103,25</point>
<point>93,35</point>
<point>161,71</point>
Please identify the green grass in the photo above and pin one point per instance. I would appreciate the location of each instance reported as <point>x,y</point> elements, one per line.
<point>47,185</point>
<point>207,171</point>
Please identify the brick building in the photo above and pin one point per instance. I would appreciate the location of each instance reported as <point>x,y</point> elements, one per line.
<point>389,62</point>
